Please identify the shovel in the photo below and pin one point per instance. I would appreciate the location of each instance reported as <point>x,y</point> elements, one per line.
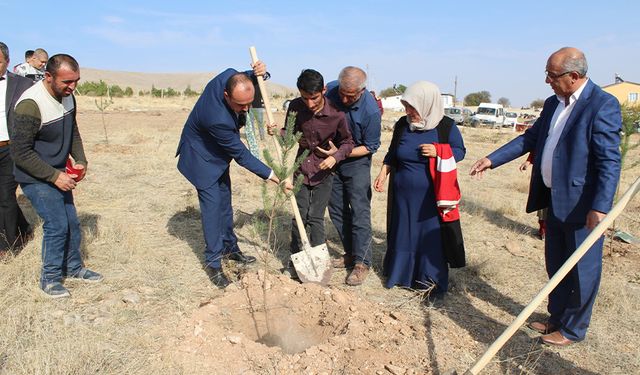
<point>312,264</point>
<point>554,281</point>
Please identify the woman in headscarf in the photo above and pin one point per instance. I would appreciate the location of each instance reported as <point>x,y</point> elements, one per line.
<point>414,256</point>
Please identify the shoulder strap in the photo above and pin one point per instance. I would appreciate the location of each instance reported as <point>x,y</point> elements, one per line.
<point>444,129</point>
<point>397,132</point>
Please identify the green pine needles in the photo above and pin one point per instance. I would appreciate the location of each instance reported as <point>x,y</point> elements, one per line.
<point>274,201</point>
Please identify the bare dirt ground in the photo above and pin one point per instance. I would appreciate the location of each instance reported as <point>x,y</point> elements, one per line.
<point>157,313</point>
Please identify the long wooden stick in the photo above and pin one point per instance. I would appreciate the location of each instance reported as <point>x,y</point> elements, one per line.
<point>267,105</point>
<point>555,280</point>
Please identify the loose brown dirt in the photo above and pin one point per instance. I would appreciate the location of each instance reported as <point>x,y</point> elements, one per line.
<point>158,313</point>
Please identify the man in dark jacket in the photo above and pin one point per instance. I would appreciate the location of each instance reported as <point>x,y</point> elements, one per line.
<point>210,140</point>
<point>575,172</point>
<point>14,228</point>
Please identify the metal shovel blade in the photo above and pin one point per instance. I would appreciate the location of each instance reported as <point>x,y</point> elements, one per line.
<point>313,264</point>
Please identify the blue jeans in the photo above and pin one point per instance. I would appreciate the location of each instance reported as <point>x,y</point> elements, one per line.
<point>61,231</point>
<point>350,207</point>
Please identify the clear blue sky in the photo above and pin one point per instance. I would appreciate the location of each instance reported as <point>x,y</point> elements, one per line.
<point>498,46</point>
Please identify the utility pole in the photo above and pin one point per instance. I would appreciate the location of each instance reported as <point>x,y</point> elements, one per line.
<point>455,91</point>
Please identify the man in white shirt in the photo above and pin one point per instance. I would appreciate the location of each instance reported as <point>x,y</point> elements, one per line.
<point>14,228</point>
<point>576,169</point>
<point>33,68</point>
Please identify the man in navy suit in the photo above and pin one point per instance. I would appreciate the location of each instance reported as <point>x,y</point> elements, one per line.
<point>14,228</point>
<point>575,173</point>
<point>210,139</point>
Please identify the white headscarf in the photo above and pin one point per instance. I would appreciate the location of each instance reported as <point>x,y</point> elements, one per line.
<point>426,99</point>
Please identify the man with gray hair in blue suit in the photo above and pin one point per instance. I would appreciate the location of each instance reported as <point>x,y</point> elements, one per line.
<point>575,173</point>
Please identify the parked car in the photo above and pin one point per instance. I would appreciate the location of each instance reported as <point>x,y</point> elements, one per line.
<point>455,114</point>
<point>526,124</point>
<point>466,114</point>
<point>488,114</point>
<point>510,119</point>
<point>285,105</point>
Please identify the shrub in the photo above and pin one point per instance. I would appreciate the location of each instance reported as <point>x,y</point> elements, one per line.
<point>91,88</point>
<point>116,91</point>
<point>189,92</point>
<point>475,98</point>
<point>538,103</point>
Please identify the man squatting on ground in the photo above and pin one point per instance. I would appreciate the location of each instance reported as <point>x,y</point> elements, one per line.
<point>44,134</point>
<point>350,204</point>
<point>210,139</point>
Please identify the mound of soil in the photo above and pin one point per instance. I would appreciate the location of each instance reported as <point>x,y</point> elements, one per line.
<point>305,328</point>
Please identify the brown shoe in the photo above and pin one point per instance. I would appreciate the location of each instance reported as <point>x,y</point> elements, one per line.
<point>358,275</point>
<point>556,339</point>
<point>345,261</point>
<point>541,327</point>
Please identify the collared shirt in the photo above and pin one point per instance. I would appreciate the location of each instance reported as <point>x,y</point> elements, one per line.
<point>363,117</point>
<point>4,131</point>
<point>558,122</point>
<point>329,124</point>
<point>26,70</point>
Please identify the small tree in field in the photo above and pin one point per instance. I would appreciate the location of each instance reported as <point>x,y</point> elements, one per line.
<point>505,102</point>
<point>630,125</point>
<point>393,91</point>
<point>102,106</point>
<point>475,98</point>
<point>274,201</point>
<point>538,103</point>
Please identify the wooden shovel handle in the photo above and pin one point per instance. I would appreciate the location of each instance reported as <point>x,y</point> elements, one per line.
<point>267,106</point>
<point>555,280</point>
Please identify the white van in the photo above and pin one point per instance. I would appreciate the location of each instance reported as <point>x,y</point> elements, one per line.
<point>488,114</point>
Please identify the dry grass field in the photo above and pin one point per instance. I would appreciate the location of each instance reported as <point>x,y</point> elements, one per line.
<point>157,313</point>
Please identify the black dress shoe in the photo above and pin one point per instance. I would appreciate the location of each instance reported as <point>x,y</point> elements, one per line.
<point>238,256</point>
<point>218,278</point>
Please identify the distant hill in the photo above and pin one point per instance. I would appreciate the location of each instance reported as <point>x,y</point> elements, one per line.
<point>177,81</point>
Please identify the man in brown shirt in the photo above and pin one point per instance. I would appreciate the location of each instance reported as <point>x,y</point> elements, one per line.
<point>326,135</point>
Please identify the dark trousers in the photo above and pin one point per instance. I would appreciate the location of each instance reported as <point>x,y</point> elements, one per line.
<point>13,225</point>
<point>350,207</point>
<point>312,202</point>
<point>571,302</point>
<point>217,221</point>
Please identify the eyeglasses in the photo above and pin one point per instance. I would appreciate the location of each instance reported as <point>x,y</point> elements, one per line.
<point>550,75</point>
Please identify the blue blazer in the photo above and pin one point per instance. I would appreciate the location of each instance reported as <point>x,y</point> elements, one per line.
<point>586,161</point>
<point>211,138</point>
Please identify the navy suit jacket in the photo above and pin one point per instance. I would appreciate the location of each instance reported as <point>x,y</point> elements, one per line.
<point>211,138</point>
<point>16,85</point>
<point>586,160</point>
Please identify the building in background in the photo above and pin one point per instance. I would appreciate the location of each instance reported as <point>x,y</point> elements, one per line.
<point>626,92</point>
